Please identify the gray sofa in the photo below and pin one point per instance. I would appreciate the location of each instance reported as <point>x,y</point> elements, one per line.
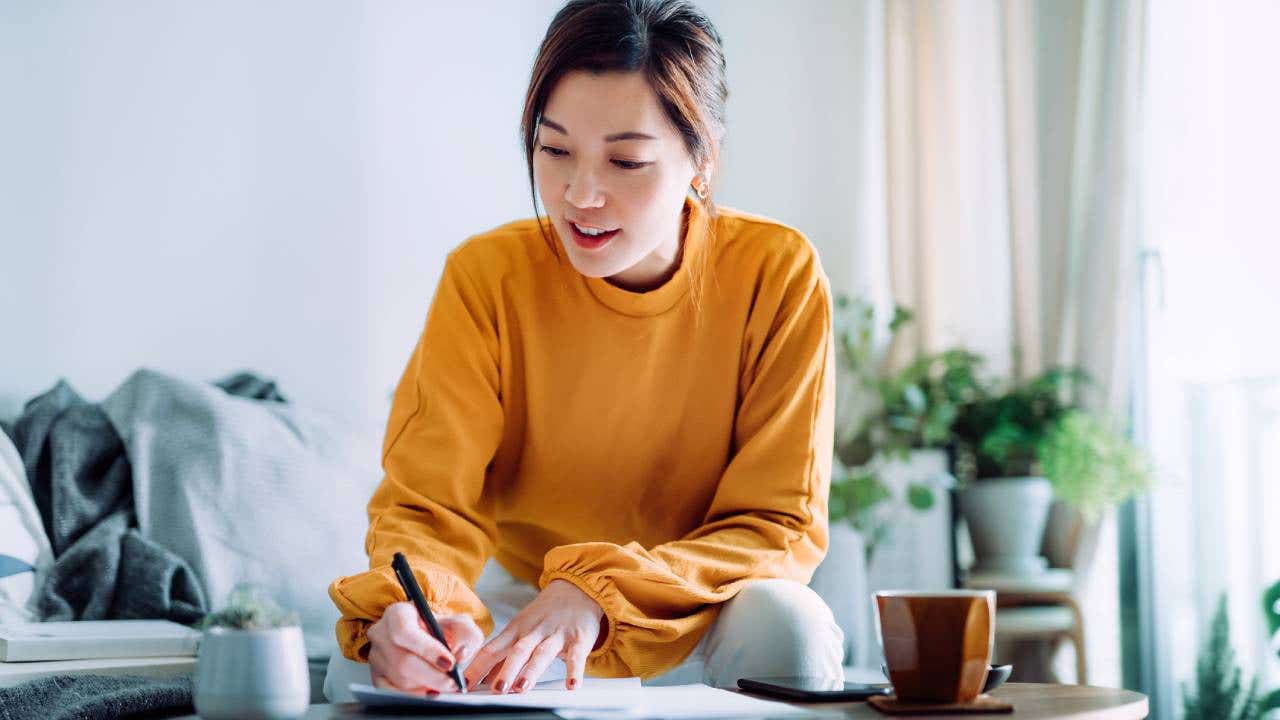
<point>274,494</point>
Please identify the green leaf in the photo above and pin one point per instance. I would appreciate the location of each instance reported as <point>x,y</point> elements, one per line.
<point>936,429</point>
<point>249,607</point>
<point>1270,701</point>
<point>905,423</point>
<point>901,317</point>
<point>837,508</point>
<point>1091,465</point>
<point>858,451</point>
<point>920,496</point>
<point>1271,607</point>
<point>866,491</point>
<point>915,398</point>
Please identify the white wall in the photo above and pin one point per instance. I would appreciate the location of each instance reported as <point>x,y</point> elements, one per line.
<point>205,187</point>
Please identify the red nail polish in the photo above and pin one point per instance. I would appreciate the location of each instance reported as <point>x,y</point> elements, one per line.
<point>522,683</point>
<point>573,683</point>
<point>443,663</point>
<point>498,685</point>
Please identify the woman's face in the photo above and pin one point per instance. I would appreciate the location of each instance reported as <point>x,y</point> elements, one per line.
<point>608,158</point>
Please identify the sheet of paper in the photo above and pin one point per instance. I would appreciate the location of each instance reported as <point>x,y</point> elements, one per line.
<point>689,701</point>
<point>599,693</point>
<point>596,698</point>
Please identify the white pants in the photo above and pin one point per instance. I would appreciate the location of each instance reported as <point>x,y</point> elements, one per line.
<point>770,628</point>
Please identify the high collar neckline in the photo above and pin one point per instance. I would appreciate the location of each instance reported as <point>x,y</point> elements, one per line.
<point>665,296</point>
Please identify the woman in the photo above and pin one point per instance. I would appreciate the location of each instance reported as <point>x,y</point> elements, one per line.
<point>629,407</point>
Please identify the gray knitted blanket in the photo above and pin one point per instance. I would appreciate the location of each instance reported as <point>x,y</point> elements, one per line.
<point>82,484</point>
<point>95,697</point>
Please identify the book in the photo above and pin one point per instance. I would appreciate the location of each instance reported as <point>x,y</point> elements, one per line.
<point>157,668</point>
<point>92,639</point>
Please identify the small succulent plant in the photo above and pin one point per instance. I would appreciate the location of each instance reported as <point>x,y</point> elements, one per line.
<point>249,608</point>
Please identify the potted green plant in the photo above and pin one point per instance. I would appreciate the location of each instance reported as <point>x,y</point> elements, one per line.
<point>1017,446</point>
<point>892,426</point>
<point>1218,692</point>
<point>252,662</point>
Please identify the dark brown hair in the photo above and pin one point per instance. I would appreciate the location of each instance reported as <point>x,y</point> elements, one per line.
<point>671,41</point>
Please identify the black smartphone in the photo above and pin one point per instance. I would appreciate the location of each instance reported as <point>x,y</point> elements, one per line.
<point>813,689</point>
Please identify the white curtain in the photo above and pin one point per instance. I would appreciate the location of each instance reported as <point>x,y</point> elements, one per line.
<point>1011,138</point>
<point>1209,164</point>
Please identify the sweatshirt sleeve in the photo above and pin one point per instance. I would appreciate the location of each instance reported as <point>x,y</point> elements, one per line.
<point>768,516</point>
<point>444,429</point>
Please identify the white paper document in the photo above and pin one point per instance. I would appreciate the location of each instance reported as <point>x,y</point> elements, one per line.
<point>689,701</point>
<point>593,693</point>
<point>595,698</point>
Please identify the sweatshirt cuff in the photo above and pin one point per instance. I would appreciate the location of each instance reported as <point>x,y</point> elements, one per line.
<point>364,597</point>
<point>598,590</point>
<point>353,639</point>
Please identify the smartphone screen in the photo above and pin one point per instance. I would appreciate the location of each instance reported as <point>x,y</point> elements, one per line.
<point>815,689</point>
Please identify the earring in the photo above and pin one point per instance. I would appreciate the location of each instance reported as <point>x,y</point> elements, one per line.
<point>701,189</point>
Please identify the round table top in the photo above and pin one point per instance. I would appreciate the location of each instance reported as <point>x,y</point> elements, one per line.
<point>1031,701</point>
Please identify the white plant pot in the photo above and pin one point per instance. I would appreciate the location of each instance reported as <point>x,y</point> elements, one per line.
<point>252,674</point>
<point>1006,519</point>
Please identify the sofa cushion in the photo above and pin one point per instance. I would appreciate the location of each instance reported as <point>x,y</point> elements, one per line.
<point>249,491</point>
<point>25,555</point>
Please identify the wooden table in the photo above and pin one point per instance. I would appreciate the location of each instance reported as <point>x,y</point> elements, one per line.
<point>1031,701</point>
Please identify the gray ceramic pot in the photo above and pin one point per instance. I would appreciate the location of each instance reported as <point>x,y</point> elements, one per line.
<point>252,674</point>
<point>1006,519</point>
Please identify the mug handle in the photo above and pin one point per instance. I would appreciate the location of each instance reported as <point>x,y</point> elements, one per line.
<point>996,676</point>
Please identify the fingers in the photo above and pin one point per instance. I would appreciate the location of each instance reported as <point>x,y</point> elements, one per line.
<point>464,636</point>
<point>405,629</point>
<point>385,684</point>
<point>489,677</point>
<point>558,617</point>
<point>402,670</point>
<point>463,653</point>
<point>405,656</point>
<point>489,656</point>
<point>575,661</point>
<point>539,661</point>
<point>517,657</point>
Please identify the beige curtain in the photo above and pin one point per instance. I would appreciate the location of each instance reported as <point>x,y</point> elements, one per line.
<point>1010,140</point>
<point>1010,137</point>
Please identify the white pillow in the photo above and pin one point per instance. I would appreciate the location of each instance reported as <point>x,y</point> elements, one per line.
<point>22,539</point>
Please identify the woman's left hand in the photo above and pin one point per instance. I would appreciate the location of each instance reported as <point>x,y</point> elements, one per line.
<point>562,622</point>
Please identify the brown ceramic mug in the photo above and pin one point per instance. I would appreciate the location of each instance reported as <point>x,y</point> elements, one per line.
<point>937,645</point>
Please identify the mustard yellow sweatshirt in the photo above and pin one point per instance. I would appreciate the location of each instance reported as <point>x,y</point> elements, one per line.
<point>655,454</point>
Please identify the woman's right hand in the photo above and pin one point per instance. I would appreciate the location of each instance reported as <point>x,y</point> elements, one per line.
<point>404,656</point>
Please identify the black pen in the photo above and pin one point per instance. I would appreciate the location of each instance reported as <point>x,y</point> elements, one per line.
<point>410,584</point>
